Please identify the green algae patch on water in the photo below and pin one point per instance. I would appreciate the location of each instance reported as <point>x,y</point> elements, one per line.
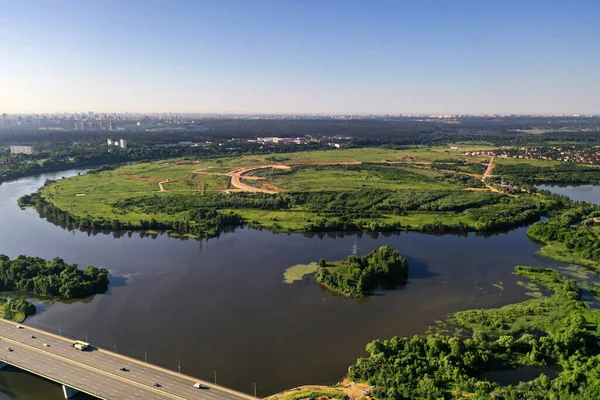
<point>298,271</point>
<point>575,271</point>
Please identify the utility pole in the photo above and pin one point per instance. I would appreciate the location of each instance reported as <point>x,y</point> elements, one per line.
<point>215,372</point>
<point>178,365</point>
<point>145,356</point>
<point>254,384</point>
<point>59,330</point>
<point>86,337</point>
<point>114,342</point>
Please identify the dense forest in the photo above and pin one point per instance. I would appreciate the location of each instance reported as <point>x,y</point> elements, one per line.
<point>51,278</point>
<point>519,174</point>
<point>363,131</point>
<point>556,331</point>
<point>360,276</point>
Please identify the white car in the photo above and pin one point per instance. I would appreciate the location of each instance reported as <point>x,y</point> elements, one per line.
<point>19,327</point>
<point>46,345</point>
<point>198,385</point>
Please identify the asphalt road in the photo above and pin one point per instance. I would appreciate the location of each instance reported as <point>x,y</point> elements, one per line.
<point>97,372</point>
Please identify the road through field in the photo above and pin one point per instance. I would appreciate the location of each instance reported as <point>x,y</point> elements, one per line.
<point>238,175</point>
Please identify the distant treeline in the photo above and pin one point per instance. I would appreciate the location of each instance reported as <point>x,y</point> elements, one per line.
<point>61,150</point>
<point>366,131</point>
<point>561,173</point>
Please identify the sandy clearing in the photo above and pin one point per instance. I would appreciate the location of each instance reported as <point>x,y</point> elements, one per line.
<point>353,390</point>
<point>140,178</point>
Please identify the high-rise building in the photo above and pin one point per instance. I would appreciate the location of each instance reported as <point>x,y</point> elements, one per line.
<point>109,142</point>
<point>21,149</point>
<point>123,143</point>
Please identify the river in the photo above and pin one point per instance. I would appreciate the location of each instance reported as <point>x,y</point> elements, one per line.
<point>221,304</point>
<point>589,193</point>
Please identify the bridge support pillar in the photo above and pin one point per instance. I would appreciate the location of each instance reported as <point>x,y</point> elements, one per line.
<point>2,365</point>
<point>69,392</point>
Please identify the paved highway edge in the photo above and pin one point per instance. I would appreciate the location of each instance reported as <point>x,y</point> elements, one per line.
<point>139,362</point>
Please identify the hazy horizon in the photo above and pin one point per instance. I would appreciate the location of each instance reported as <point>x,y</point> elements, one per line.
<point>298,57</point>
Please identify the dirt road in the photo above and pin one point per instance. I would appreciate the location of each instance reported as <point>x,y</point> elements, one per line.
<point>160,185</point>
<point>488,171</point>
<point>237,176</point>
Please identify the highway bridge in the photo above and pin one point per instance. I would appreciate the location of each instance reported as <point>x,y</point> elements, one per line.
<point>98,372</point>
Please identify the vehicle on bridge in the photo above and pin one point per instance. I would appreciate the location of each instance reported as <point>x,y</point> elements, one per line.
<point>81,346</point>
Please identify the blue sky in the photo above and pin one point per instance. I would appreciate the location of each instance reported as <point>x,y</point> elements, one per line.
<point>304,56</point>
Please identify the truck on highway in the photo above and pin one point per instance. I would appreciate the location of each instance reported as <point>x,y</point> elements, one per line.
<point>81,346</point>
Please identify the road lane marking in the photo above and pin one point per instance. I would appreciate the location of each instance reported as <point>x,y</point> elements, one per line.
<point>139,362</point>
<point>81,365</point>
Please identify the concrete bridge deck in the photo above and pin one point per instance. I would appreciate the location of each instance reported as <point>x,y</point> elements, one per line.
<point>97,372</point>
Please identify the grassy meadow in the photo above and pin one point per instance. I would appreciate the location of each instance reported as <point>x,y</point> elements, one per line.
<point>94,195</point>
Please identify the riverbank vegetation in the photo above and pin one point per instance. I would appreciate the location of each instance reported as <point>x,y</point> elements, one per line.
<point>371,189</point>
<point>564,173</point>
<point>15,309</point>
<point>51,278</point>
<point>312,394</point>
<point>556,330</point>
<point>359,276</point>
<point>571,236</point>
<point>299,271</point>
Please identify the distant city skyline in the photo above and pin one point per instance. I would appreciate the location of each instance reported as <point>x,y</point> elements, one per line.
<point>300,57</point>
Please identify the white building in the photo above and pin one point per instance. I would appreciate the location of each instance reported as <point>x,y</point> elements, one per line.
<point>122,143</point>
<point>21,149</point>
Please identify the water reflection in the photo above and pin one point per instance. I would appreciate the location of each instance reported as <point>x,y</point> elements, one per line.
<point>589,193</point>
<point>220,304</point>
<point>521,373</point>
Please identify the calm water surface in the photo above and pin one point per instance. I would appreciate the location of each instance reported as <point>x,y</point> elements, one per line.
<point>221,304</point>
<point>588,193</point>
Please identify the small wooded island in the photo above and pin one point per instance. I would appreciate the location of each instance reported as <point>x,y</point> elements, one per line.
<point>45,278</point>
<point>359,276</point>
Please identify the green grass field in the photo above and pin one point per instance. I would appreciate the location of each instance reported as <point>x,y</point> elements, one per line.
<point>93,195</point>
<point>315,179</point>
